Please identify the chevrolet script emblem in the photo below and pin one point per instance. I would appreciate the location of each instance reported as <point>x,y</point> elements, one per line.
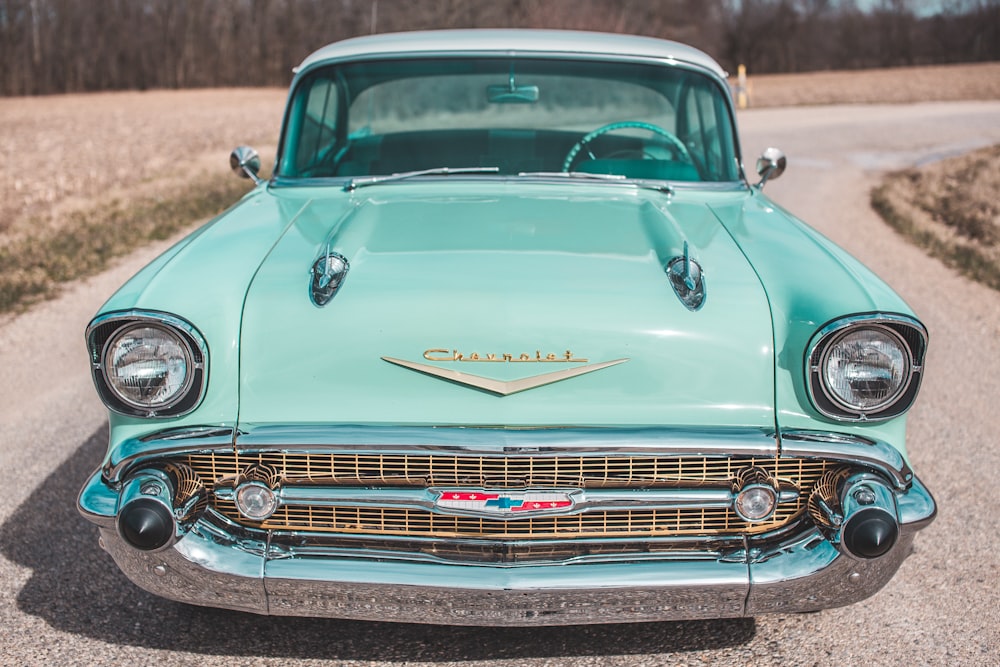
<point>503,503</point>
<point>504,387</point>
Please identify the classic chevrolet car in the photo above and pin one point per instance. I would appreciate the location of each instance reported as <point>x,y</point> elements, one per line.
<point>509,336</point>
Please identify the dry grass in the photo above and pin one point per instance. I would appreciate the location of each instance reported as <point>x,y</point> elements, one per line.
<point>951,209</point>
<point>67,152</point>
<point>943,83</point>
<point>86,178</point>
<point>34,266</point>
<point>90,177</point>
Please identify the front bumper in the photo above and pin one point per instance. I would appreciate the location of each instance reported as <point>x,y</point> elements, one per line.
<point>213,564</point>
<point>807,575</point>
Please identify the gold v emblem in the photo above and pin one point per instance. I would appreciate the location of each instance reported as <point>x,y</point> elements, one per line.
<point>502,387</point>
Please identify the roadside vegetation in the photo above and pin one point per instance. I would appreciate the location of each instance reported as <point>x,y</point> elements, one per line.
<point>950,208</point>
<point>88,178</point>
<point>37,266</point>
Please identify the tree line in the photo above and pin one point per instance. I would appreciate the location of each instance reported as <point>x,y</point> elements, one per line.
<point>63,46</point>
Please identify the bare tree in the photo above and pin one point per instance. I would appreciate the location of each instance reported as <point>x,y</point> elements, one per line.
<point>57,46</point>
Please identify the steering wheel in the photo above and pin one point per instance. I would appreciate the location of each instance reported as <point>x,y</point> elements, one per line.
<point>676,144</point>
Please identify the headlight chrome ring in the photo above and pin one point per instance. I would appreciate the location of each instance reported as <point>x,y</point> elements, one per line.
<point>866,368</point>
<point>147,364</point>
<point>148,367</point>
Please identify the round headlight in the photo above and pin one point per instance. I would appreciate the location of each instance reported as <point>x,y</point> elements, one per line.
<point>866,369</point>
<point>756,502</point>
<point>256,501</point>
<point>148,366</point>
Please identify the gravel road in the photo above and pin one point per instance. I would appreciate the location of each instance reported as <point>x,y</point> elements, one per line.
<point>62,601</point>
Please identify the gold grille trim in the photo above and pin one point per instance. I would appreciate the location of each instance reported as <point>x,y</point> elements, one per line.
<point>634,524</point>
<point>422,470</point>
<point>427,470</point>
<point>826,493</point>
<point>190,497</point>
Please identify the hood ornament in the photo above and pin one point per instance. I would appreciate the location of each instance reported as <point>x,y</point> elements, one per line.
<point>501,387</point>
<point>687,279</point>
<point>328,272</point>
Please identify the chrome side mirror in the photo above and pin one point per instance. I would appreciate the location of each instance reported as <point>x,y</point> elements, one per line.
<point>770,164</point>
<point>245,162</point>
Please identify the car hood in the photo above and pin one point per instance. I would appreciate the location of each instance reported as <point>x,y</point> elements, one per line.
<point>513,288</point>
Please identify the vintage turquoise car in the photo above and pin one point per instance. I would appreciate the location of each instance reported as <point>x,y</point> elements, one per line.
<point>508,337</point>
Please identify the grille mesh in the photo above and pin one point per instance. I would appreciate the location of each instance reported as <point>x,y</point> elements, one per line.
<point>639,523</point>
<point>422,470</point>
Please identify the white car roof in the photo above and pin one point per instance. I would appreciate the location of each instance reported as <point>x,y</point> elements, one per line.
<point>512,42</point>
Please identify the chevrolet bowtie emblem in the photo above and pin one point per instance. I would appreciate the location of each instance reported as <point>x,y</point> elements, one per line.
<point>502,387</point>
<point>502,503</point>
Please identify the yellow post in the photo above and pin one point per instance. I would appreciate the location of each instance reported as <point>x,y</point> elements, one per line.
<point>742,96</point>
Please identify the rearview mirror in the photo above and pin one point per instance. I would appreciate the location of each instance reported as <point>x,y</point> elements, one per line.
<point>245,162</point>
<point>771,164</point>
<point>512,94</point>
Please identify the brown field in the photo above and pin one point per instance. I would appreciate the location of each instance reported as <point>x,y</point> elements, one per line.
<point>86,178</point>
<point>68,152</point>
<point>943,83</point>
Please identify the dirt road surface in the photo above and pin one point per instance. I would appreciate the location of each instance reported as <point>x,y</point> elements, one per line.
<point>62,601</point>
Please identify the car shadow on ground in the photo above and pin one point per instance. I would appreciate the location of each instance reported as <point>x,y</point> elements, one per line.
<point>76,588</point>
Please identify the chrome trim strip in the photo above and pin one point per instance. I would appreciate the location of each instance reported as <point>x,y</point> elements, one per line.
<point>730,549</point>
<point>139,451</point>
<point>521,54</point>
<point>583,500</point>
<point>874,454</point>
<point>529,178</point>
<point>191,433</point>
<point>387,554</point>
<point>295,543</point>
<point>494,441</point>
<point>508,442</point>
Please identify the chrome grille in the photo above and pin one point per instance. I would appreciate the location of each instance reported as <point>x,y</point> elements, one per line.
<point>496,551</point>
<point>424,470</point>
<point>636,524</point>
<point>346,469</point>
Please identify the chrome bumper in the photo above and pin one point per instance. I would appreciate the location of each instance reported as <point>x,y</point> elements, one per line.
<point>806,573</point>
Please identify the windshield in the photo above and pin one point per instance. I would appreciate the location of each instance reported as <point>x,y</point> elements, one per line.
<point>636,120</point>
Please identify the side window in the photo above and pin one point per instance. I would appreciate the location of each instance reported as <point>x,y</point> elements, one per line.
<point>317,129</point>
<point>707,133</point>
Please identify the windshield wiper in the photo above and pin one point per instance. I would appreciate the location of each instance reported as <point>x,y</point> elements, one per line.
<point>574,174</point>
<point>659,186</point>
<point>356,183</point>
